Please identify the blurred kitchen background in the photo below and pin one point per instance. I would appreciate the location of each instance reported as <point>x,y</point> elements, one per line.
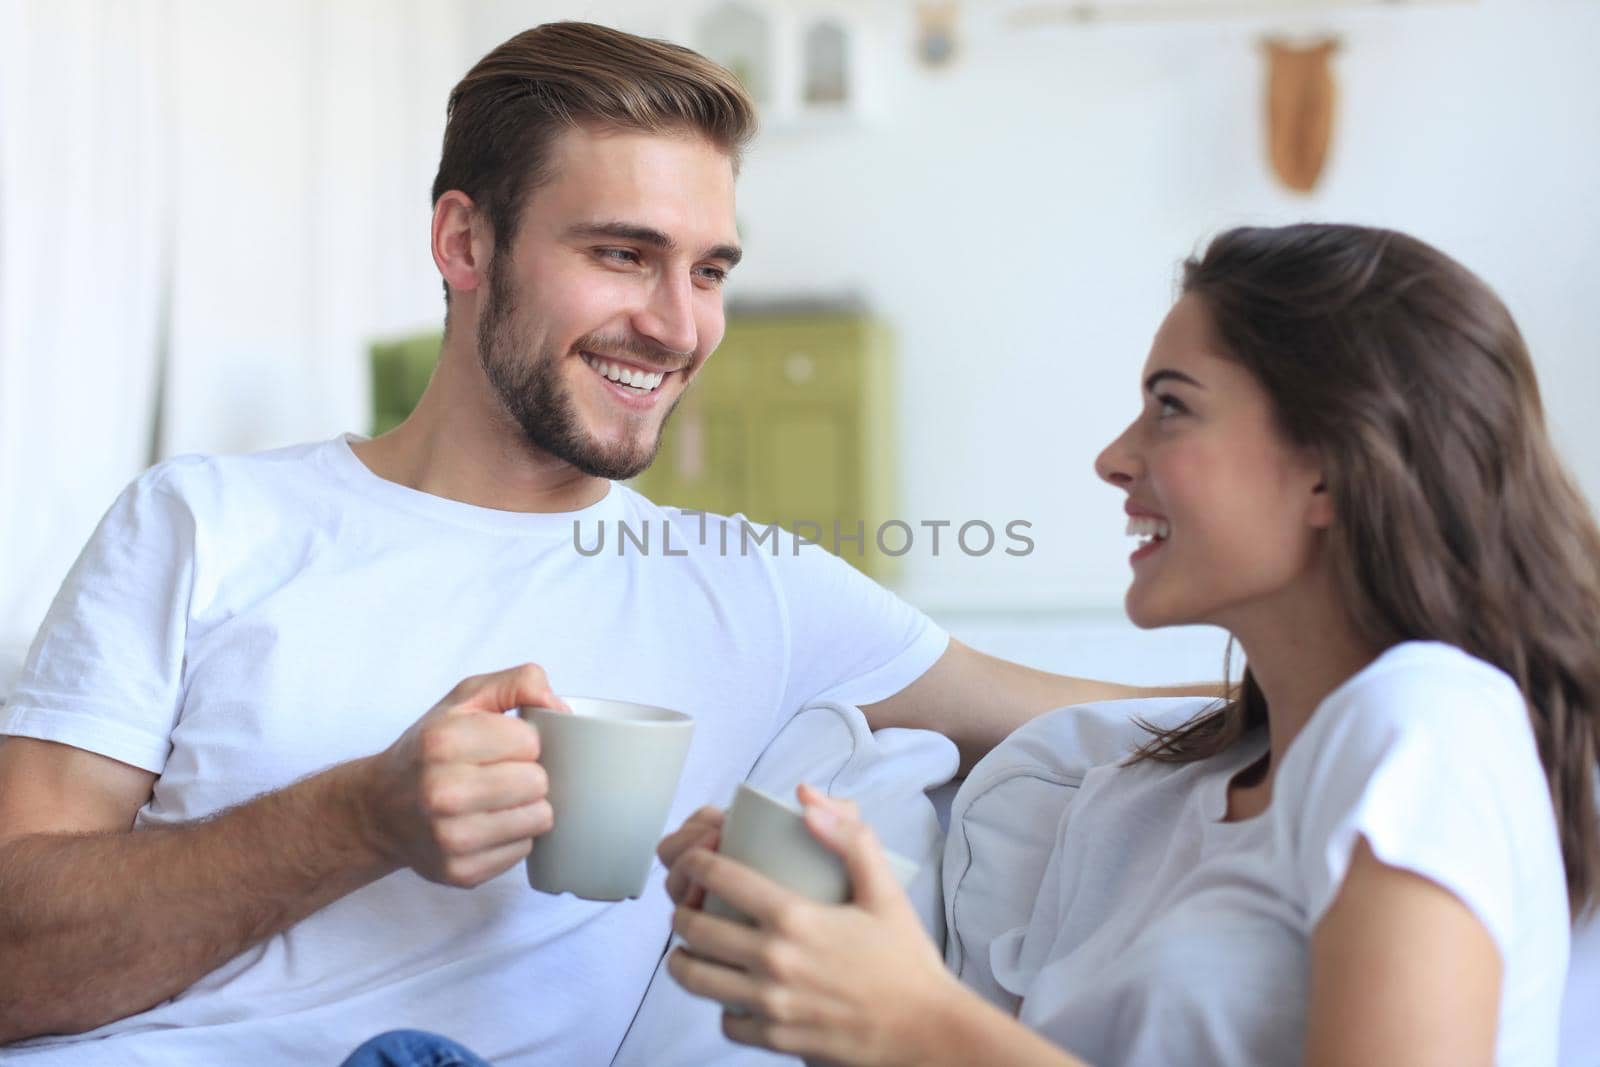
<point>962,223</point>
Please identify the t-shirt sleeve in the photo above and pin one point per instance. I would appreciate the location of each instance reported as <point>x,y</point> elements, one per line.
<point>1438,770</point>
<point>850,639</point>
<point>105,671</point>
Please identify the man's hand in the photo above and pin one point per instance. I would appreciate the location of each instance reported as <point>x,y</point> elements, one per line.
<point>461,795</point>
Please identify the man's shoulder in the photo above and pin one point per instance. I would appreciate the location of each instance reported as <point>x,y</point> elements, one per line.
<point>198,477</point>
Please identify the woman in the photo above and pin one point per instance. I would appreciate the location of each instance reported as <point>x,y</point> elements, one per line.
<point>1371,855</point>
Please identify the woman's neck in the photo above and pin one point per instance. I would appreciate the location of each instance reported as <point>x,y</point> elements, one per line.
<point>1298,654</point>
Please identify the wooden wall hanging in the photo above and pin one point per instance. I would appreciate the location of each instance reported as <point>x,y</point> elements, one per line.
<point>936,32</point>
<point>1301,100</point>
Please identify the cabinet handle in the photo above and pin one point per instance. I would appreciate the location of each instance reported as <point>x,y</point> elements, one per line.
<point>799,368</point>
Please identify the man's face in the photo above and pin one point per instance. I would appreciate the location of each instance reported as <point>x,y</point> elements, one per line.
<point>615,277</point>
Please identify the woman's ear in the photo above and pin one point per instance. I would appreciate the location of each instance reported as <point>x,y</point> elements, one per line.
<point>1320,510</point>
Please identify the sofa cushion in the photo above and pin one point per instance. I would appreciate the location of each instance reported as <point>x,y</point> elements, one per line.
<point>1004,817</point>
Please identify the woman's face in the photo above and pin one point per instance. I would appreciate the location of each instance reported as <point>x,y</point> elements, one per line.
<point>1228,512</point>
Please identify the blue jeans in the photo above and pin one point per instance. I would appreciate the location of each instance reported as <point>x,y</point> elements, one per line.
<point>413,1048</point>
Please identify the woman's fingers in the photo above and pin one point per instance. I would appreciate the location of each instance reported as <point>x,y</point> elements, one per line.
<point>714,981</point>
<point>707,820</point>
<point>837,824</point>
<point>748,891</point>
<point>675,846</point>
<point>721,940</point>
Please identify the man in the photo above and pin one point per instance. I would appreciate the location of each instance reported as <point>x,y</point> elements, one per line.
<point>226,837</point>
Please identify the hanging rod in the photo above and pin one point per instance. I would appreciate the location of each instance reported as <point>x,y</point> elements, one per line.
<point>1089,12</point>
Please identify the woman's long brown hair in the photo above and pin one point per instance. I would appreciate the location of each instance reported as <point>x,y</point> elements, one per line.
<point>1455,521</point>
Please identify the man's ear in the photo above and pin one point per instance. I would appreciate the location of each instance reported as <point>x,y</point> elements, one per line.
<point>462,245</point>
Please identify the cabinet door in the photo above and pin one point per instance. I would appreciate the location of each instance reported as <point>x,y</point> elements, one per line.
<point>702,464</point>
<point>778,428</point>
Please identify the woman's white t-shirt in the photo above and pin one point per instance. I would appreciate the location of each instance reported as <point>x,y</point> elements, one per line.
<point>1165,936</point>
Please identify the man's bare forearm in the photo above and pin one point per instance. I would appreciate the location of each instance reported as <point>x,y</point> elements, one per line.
<point>977,699</point>
<point>96,927</point>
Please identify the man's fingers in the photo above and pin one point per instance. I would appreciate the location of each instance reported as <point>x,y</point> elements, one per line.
<point>504,690</point>
<point>477,868</point>
<point>479,739</point>
<point>463,788</point>
<point>464,836</point>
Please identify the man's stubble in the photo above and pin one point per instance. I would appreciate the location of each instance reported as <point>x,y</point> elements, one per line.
<point>528,384</point>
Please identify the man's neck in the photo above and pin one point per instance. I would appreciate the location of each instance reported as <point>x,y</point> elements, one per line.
<point>505,475</point>
<point>458,446</point>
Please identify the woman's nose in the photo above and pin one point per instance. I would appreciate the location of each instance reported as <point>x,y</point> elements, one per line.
<point>1116,463</point>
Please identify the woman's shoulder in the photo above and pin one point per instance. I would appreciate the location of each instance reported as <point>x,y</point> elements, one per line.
<point>1427,690</point>
<point>1429,754</point>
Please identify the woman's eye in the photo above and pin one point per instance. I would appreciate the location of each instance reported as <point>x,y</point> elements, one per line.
<point>1168,406</point>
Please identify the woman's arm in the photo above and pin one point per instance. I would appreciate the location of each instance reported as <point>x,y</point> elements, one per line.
<point>858,984</point>
<point>1401,972</point>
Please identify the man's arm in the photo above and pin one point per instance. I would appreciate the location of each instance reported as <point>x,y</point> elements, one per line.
<point>98,921</point>
<point>977,699</point>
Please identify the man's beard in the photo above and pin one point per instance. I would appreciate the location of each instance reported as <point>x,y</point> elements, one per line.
<point>528,384</point>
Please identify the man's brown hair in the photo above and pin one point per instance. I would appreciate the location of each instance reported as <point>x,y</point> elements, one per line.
<point>509,109</point>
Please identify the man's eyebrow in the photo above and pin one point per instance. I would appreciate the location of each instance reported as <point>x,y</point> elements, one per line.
<point>648,235</point>
<point>1160,376</point>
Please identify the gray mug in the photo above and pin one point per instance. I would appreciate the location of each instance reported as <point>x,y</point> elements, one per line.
<point>771,836</point>
<point>614,768</point>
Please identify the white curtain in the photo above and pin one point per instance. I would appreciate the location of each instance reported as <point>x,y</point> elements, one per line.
<point>86,231</point>
<point>207,212</point>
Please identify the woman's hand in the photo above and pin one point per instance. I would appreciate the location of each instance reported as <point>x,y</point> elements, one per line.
<point>703,829</point>
<point>853,984</point>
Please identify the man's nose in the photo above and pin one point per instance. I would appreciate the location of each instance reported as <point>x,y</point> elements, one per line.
<point>668,317</point>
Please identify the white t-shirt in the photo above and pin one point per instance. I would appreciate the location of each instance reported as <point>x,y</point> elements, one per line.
<point>238,623</point>
<point>1165,936</point>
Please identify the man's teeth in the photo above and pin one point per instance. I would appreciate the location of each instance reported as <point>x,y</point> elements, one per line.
<point>642,381</point>
<point>1148,529</point>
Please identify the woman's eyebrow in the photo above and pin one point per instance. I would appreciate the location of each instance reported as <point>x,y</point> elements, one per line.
<point>1160,376</point>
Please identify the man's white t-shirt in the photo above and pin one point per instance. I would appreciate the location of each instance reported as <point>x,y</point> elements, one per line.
<point>237,623</point>
<point>1165,936</point>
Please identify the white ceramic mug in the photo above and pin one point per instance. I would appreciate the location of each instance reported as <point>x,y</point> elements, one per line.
<point>614,769</point>
<point>771,836</point>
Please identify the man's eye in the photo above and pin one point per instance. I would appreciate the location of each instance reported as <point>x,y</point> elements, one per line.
<point>714,275</point>
<point>619,255</point>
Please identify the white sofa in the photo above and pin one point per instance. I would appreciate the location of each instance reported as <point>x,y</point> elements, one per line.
<point>1002,824</point>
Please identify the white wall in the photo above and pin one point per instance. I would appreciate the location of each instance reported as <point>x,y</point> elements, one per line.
<point>1019,218</point>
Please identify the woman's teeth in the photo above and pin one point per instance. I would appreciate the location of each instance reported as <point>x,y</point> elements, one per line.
<point>1148,529</point>
<point>637,380</point>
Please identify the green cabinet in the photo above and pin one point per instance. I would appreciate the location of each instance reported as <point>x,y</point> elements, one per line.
<point>400,372</point>
<point>791,421</point>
